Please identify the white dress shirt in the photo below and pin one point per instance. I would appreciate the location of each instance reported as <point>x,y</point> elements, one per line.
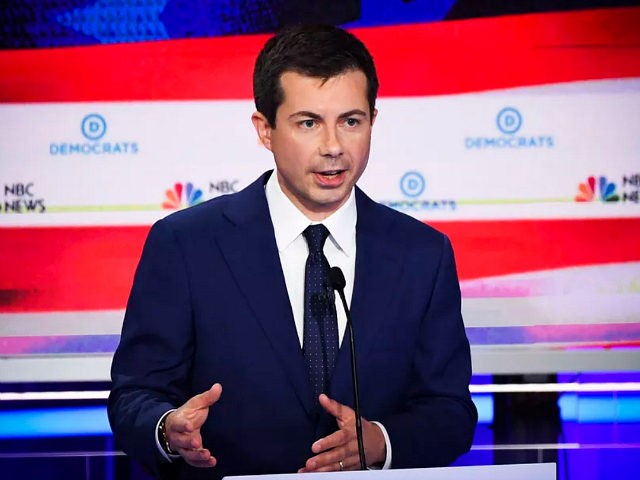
<point>339,248</point>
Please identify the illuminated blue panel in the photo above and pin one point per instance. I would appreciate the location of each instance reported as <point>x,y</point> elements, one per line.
<point>484,404</point>
<point>600,408</point>
<point>54,422</point>
<point>113,21</point>
<point>88,421</point>
<point>386,12</point>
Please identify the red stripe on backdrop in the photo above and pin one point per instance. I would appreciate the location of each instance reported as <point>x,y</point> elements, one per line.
<point>91,268</point>
<point>421,59</point>
<point>68,268</point>
<point>489,248</point>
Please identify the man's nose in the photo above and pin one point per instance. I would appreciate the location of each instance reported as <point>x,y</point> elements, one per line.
<point>331,145</point>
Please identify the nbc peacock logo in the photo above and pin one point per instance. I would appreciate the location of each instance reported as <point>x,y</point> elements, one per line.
<point>173,198</point>
<point>597,189</point>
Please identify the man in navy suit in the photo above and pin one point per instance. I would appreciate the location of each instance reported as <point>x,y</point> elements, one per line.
<point>217,301</point>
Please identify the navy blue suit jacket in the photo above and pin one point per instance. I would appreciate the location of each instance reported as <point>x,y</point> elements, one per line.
<point>209,304</point>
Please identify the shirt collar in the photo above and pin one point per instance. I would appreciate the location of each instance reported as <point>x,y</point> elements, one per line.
<point>289,222</point>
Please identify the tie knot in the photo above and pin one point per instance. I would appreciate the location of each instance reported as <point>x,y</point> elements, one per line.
<point>316,235</point>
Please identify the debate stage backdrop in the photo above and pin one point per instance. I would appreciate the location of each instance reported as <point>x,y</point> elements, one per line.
<point>514,131</point>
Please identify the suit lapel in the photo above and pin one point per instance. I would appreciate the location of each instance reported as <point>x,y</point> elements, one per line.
<point>249,247</point>
<point>378,266</point>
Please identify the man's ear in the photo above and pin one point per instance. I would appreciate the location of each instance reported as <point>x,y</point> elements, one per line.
<point>263,129</point>
<point>374,116</point>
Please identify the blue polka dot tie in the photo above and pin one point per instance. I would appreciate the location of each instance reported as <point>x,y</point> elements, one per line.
<point>320,337</point>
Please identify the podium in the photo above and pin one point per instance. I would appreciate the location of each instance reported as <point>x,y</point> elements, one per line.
<point>522,471</point>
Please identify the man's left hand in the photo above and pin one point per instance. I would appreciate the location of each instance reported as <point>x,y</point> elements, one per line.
<point>339,451</point>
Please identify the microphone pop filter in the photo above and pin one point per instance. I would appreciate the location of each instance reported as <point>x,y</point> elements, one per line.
<point>336,278</point>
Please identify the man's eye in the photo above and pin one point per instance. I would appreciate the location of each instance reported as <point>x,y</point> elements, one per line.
<point>308,123</point>
<point>352,122</point>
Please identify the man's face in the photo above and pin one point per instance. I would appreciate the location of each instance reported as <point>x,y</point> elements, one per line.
<point>321,141</point>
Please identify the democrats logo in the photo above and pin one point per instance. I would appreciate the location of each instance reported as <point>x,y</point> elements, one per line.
<point>509,120</point>
<point>93,128</point>
<point>510,134</point>
<point>412,186</point>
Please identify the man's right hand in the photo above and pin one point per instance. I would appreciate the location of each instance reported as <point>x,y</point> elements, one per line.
<point>183,428</point>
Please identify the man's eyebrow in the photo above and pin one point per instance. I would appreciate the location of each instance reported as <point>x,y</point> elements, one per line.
<point>353,112</point>
<point>350,113</point>
<point>305,113</point>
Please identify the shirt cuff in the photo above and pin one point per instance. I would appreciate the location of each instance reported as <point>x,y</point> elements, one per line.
<point>165,455</point>
<point>387,442</point>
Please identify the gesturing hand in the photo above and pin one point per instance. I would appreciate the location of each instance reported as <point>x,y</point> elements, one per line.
<point>183,428</point>
<point>339,451</point>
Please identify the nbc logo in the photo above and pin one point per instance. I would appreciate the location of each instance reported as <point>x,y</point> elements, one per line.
<point>173,196</point>
<point>606,190</point>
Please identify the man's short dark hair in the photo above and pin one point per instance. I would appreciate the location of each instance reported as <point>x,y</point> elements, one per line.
<point>320,51</point>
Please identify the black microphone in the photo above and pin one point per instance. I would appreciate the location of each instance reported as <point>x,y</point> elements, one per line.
<point>337,281</point>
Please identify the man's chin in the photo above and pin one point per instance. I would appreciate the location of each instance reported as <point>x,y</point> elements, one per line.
<point>329,204</point>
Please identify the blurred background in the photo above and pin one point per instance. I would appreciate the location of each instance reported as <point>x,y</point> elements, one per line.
<point>510,126</point>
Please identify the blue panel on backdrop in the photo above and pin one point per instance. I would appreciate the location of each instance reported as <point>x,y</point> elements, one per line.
<point>52,23</point>
<point>54,422</point>
<point>484,404</point>
<point>391,12</point>
<point>87,421</point>
<point>600,408</point>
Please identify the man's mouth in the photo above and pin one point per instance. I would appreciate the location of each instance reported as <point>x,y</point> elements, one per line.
<point>330,173</point>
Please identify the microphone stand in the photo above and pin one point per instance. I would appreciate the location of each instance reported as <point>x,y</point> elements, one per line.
<point>338,283</point>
